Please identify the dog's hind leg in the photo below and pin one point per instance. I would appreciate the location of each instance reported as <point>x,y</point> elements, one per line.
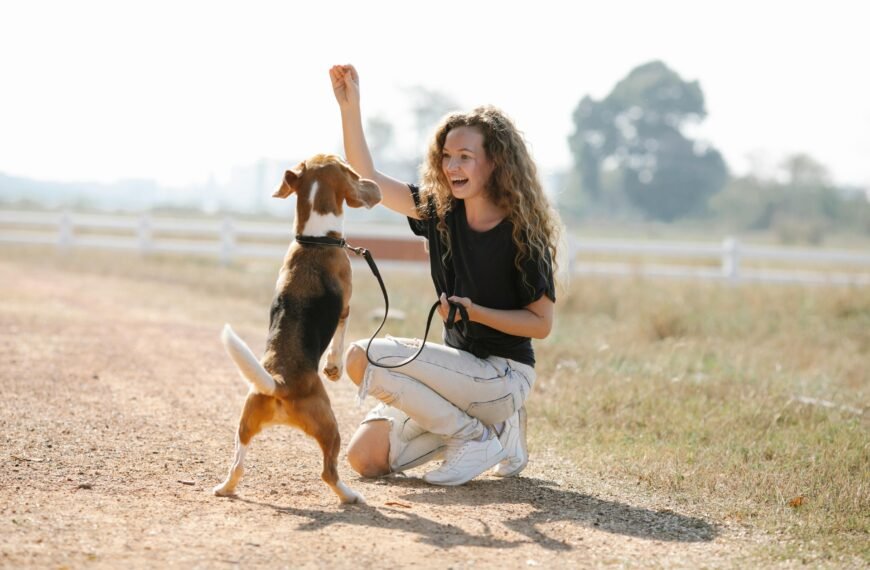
<point>237,468</point>
<point>258,409</point>
<point>315,417</point>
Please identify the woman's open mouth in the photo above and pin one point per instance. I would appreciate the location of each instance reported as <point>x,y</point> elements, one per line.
<point>459,182</point>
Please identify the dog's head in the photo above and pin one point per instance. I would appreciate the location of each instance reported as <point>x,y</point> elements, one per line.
<point>323,184</point>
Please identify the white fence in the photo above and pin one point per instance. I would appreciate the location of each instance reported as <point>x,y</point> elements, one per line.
<point>228,239</point>
<point>737,262</point>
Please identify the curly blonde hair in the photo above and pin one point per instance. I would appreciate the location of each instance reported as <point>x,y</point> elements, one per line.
<point>513,185</point>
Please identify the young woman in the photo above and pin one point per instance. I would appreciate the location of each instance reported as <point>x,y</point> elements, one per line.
<point>492,241</point>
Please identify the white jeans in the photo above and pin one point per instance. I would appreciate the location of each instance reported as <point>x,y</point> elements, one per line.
<point>444,392</point>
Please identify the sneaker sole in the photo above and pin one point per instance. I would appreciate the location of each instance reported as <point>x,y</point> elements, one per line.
<point>456,482</point>
<point>513,473</point>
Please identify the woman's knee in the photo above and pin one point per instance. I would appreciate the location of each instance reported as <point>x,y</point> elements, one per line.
<point>355,363</point>
<point>369,449</point>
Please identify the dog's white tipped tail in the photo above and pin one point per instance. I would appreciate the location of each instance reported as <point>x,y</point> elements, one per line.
<point>249,367</point>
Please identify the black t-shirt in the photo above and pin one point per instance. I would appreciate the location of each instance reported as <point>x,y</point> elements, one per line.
<point>481,267</point>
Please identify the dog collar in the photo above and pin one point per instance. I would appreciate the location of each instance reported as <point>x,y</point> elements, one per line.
<point>336,242</point>
<point>321,240</point>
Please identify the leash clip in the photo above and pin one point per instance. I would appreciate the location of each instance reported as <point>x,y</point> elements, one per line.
<point>357,250</point>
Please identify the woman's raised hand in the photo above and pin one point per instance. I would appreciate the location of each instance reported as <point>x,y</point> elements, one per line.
<point>345,85</point>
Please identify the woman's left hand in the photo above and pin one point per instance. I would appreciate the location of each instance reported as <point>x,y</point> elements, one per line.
<point>444,309</point>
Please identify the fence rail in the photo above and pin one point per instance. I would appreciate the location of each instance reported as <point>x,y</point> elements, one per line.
<point>228,239</point>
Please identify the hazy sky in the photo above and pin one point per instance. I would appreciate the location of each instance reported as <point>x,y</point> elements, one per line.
<point>179,91</point>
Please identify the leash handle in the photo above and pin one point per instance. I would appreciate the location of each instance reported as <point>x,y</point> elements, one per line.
<point>451,314</point>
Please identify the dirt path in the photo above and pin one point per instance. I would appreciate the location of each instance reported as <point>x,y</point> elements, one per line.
<point>117,419</point>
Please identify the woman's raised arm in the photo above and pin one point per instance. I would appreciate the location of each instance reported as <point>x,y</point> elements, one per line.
<point>345,85</point>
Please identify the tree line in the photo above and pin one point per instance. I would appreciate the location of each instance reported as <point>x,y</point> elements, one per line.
<point>632,158</point>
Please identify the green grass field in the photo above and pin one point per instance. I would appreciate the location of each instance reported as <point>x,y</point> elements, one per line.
<point>749,400</point>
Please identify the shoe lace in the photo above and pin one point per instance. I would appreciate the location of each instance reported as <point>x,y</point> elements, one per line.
<point>455,450</point>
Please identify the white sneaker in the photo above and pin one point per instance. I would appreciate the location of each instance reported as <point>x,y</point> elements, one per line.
<point>513,439</point>
<point>465,460</point>
<point>422,449</point>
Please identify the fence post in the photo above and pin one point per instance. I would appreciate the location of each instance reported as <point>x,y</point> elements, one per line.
<point>731,259</point>
<point>228,241</point>
<point>65,232</point>
<point>145,234</point>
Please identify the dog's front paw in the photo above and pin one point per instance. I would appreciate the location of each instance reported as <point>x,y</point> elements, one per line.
<point>332,371</point>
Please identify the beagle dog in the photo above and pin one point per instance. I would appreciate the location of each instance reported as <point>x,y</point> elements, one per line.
<point>308,316</point>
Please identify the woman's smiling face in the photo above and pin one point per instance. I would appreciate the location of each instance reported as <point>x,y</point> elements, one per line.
<point>464,162</point>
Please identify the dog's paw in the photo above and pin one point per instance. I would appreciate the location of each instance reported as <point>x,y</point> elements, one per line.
<point>353,498</point>
<point>346,495</point>
<point>332,371</point>
<point>223,491</point>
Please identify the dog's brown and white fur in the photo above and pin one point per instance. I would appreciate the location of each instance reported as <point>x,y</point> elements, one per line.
<point>309,312</point>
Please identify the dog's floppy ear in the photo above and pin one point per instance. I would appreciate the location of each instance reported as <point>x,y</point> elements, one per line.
<point>362,192</point>
<point>291,180</point>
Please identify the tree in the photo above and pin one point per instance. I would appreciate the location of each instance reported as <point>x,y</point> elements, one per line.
<point>637,130</point>
<point>803,170</point>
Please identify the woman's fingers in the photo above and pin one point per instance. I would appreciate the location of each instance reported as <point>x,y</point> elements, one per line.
<point>353,74</point>
<point>444,307</point>
<point>343,71</point>
<point>339,83</point>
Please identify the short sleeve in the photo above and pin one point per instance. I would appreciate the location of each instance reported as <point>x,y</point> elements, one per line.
<point>538,280</point>
<point>419,227</point>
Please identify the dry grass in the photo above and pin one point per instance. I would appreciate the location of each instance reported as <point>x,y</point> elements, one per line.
<point>683,388</point>
<point>715,394</point>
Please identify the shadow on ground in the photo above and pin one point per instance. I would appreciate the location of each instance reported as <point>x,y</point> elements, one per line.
<point>550,504</point>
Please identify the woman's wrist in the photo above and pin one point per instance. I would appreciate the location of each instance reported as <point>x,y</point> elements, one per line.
<point>471,309</point>
<point>350,110</point>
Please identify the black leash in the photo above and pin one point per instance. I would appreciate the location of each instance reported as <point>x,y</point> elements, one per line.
<point>451,315</point>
